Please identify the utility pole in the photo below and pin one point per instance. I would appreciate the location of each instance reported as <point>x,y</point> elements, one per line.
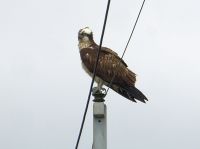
<point>99,121</point>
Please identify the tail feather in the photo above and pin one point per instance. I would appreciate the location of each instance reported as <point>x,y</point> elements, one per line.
<point>131,93</point>
<point>137,94</point>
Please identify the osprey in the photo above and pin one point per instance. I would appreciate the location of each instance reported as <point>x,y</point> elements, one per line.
<point>109,64</point>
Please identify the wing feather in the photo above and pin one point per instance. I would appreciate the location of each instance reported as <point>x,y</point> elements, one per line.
<point>110,65</point>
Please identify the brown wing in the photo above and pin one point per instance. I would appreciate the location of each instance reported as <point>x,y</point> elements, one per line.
<point>109,65</point>
<point>109,51</point>
<point>124,81</point>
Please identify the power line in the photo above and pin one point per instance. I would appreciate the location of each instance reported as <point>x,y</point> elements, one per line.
<point>127,43</point>
<point>94,74</point>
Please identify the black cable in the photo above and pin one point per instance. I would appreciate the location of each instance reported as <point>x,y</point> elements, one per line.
<point>127,44</point>
<point>94,73</point>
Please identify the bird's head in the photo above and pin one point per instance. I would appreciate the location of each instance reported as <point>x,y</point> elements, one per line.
<point>85,34</point>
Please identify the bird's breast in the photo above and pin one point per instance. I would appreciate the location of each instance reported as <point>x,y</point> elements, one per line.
<point>86,69</point>
<point>88,57</point>
<point>97,79</point>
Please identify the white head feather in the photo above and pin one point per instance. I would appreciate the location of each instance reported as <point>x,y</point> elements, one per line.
<point>87,30</point>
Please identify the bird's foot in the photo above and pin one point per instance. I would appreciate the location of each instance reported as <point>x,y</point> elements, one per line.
<point>96,90</point>
<point>99,94</point>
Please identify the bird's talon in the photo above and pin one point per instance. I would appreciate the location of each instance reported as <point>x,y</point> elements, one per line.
<point>103,91</point>
<point>96,90</point>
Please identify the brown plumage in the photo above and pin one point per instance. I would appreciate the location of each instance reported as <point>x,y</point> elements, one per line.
<point>109,65</point>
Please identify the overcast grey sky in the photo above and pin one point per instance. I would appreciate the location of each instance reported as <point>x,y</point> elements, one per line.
<point>43,88</point>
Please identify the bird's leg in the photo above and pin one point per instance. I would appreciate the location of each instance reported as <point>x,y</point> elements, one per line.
<point>99,88</point>
<point>99,92</point>
<point>99,85</point>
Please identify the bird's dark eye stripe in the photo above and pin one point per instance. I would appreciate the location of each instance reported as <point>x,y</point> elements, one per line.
<point>82,33</point>
<point>85,34</point>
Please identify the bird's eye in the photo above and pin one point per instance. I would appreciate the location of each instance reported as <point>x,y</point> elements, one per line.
<point>84,34</point>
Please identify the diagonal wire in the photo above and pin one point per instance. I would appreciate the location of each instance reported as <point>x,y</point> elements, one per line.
<point>127,44</point>
<point>94,73</point>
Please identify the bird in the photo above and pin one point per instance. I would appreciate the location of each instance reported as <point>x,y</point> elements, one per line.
<point>109,65</point>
